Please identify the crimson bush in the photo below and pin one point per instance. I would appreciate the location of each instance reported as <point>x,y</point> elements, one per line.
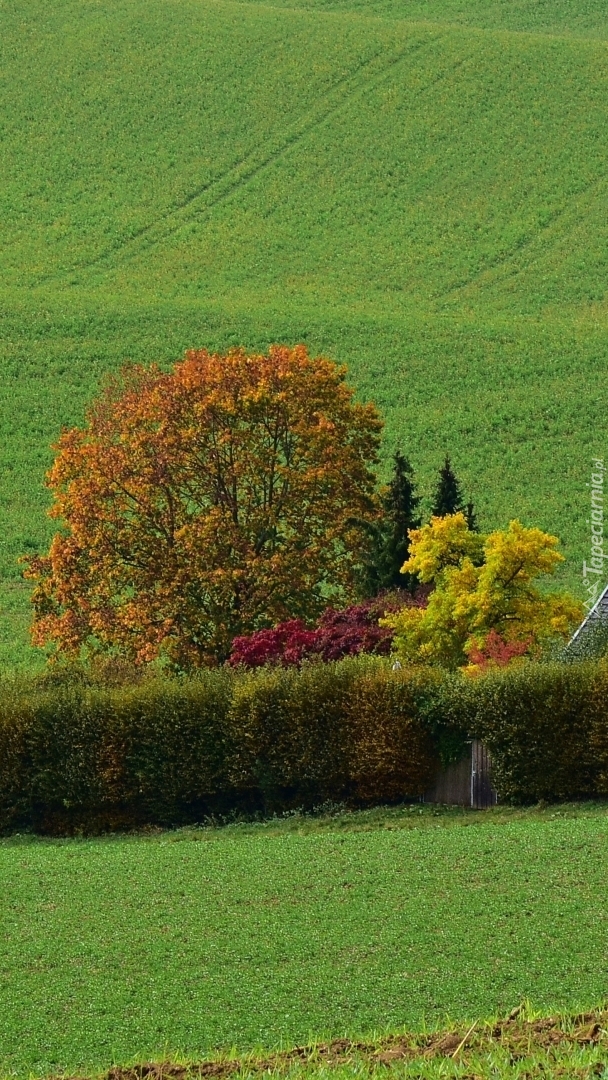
<point>337,634</point>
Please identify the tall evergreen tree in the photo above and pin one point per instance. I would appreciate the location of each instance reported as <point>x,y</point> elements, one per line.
<point>390,539</point>
<point>449,499</point>
<point>448,496</point>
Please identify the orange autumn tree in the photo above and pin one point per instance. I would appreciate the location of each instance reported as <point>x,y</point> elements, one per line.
<point>204,503</point>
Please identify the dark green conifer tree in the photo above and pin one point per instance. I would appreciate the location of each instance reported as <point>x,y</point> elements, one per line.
<point>449,499</point>
<point>390,540</point>
<point>448,495</point>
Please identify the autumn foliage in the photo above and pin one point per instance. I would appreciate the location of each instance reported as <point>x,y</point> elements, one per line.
<point>337,634</point>
<point>485,602</point>
<point>203,503</point>
<point>496,652</point>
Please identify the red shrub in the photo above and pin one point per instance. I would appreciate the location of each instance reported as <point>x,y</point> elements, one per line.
<point>497,652</point>
<point>337,634</point>
<point>355,630</point>
<point>286,643</point>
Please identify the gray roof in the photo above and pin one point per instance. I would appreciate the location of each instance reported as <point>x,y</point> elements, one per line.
<point>592,634</point>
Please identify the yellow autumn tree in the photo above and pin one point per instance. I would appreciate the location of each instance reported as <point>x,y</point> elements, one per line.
<point>485,589</point>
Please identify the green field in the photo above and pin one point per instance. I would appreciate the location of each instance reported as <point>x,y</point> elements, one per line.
<point>415,188</point>
<point>129,949</point>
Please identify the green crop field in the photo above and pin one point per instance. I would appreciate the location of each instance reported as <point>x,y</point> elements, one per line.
<point>131,949</point>
<point>417,189</point>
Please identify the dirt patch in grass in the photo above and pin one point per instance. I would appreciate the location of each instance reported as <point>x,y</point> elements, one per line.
<point>515,1036</point>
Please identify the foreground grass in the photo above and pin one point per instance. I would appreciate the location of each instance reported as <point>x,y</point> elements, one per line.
<point>143,948</point>
<point>523,1046</point>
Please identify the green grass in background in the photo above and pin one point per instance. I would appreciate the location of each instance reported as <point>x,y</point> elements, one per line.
<point>422,199</point>
<point>131,948</point>
<point>584,18</point>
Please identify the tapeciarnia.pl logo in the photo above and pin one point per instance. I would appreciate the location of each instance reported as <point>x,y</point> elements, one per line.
<point>593,571</point>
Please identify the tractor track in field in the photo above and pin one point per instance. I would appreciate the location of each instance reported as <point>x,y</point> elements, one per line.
<point>503,267</point>
<point>254,163</point>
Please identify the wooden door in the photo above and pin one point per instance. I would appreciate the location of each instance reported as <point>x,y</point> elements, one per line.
<point>483,794</point>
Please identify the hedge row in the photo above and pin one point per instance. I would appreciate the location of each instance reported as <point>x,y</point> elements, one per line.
<point>166,751</point>
<point>169,751</point>
<point>546,726</point>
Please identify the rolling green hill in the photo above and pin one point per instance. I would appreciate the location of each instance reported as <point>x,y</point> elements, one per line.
<point>417,189</point>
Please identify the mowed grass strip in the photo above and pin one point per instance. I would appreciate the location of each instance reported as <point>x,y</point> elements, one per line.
<point>134,949</point>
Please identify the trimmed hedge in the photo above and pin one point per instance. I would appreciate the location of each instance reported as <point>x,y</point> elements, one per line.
<point>349,730</point>
<point>79,756</point>
<point>546,726</point>
<point>76,756</point>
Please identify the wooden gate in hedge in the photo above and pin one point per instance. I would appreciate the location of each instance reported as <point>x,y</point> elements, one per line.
<point>466,782</point>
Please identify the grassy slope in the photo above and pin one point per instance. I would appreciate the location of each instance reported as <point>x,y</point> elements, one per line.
<point>129,949</point>
<point>585,18</point>
<point>422,199</point>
